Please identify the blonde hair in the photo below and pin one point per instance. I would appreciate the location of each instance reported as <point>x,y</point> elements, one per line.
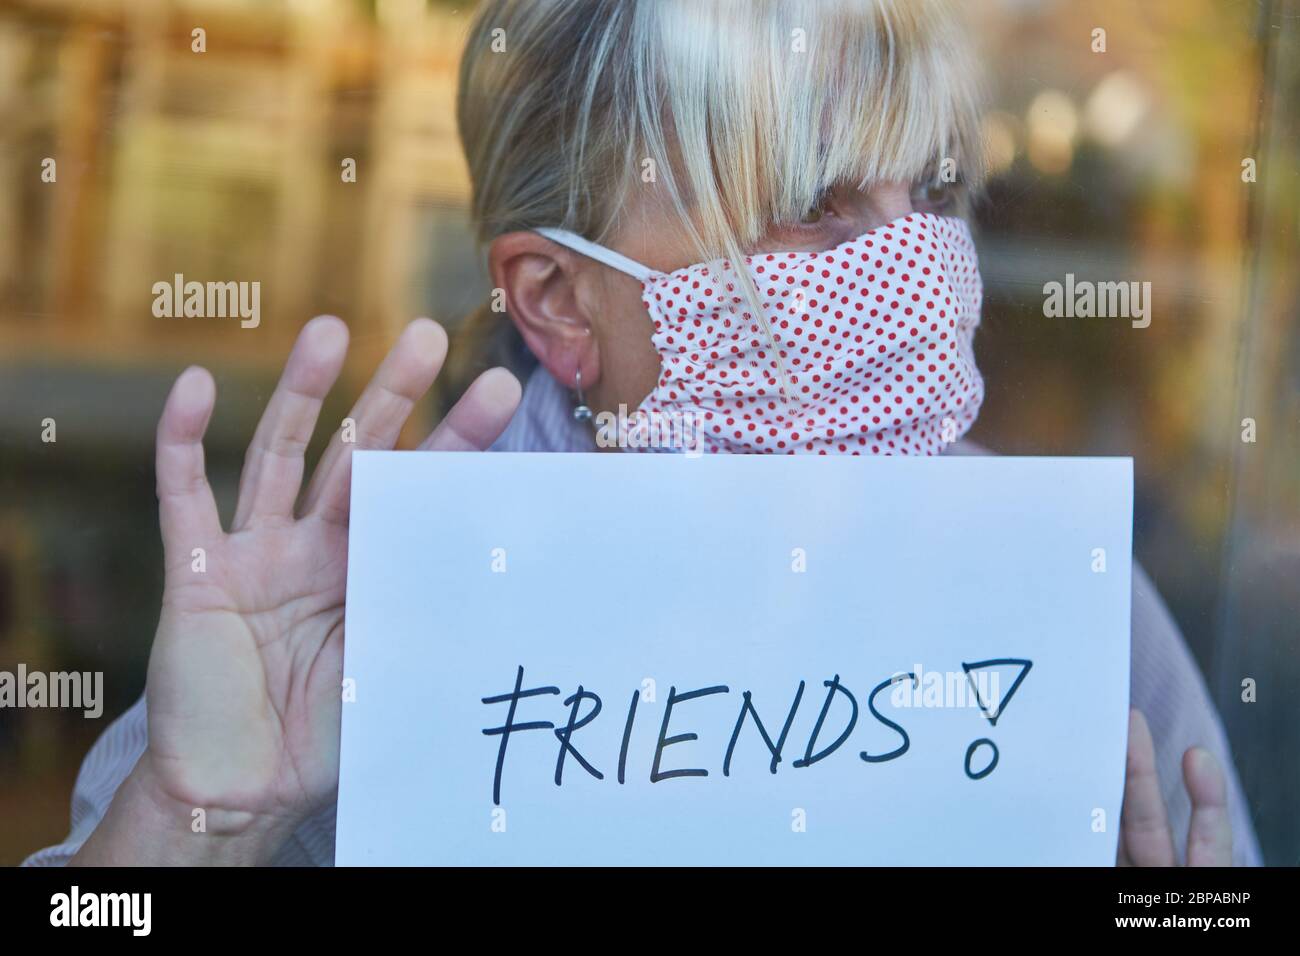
<point>746,111</point>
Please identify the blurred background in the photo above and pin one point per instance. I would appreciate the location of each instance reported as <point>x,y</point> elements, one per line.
<point>1128,163</point>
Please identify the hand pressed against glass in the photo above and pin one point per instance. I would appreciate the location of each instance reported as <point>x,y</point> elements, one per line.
<point>1145,838</point>
<point>244,678</point>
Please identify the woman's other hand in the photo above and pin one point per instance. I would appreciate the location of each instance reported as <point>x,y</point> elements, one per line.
<point>245,674</point>
<point>1145,837</point>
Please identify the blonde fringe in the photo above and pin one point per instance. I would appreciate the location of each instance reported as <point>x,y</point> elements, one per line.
<point>744,132</point>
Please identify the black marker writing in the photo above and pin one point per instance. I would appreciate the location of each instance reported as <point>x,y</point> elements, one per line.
<point>565,735</point>
<point>595,741</point>
<point>509,727</point>
<point>970,752</point>
<point>665,741</point>
<point>871,705</point>
<point>748,708</point>
<point>627,736</point>
<point>809,758</point>
<point>993,709</point>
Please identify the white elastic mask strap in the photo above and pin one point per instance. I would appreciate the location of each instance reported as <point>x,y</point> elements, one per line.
<point>598,252</point>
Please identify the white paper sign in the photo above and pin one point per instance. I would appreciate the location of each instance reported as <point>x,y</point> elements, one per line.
<point>656,659</point>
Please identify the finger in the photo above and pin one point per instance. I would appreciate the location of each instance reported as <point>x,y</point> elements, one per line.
<point>1144,826</point>
<point>403,377</point>
<point>481,415</point>
<point>273,467</point>
<point>187,512</point>
<point>1209,835</point>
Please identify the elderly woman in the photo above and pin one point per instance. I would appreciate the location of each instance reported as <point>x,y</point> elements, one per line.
<point>746,216</point>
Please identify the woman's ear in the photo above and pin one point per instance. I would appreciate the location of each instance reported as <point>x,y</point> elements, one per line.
<point>543,286</point>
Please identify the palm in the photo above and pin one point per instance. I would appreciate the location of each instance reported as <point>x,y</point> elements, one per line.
<point>245,675</point>
<point>255,669</point>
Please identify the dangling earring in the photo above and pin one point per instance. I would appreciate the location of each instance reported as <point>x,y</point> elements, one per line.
<point>581,411</point>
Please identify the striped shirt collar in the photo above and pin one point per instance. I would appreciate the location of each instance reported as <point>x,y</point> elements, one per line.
<point>544,421</point>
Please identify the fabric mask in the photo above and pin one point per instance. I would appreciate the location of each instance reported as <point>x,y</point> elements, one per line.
<point>875,340</point>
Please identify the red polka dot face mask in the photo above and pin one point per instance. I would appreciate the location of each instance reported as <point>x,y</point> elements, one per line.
<point>874,340</point>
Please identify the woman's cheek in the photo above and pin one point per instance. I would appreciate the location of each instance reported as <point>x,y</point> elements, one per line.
<point>629,364</point>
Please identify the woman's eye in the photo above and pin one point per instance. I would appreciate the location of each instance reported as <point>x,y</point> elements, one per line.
<point>933,195</point>
<point>819,210</point>
<point>813,215</point>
